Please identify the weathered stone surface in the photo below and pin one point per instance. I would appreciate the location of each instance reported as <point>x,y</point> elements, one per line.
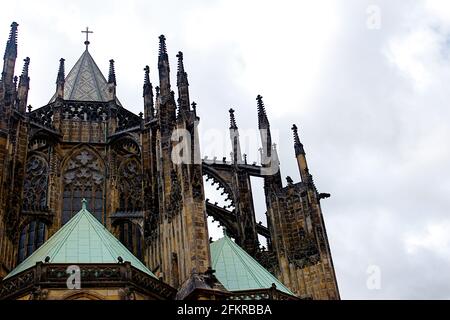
<point>122,163</point>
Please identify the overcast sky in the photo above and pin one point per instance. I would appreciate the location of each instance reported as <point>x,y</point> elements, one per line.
<point>369,95</point>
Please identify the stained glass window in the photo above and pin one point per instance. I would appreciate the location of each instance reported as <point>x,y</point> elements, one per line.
<point>31,238</point>
<point>130,236</point>
<point>83,178</point>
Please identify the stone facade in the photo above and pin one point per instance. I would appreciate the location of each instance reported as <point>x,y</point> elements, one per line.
<point>123,164</point>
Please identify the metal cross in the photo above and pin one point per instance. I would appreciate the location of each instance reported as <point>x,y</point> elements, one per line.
<point>87,36</point>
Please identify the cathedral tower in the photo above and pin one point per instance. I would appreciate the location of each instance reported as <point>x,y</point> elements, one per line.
<point>84,166</point>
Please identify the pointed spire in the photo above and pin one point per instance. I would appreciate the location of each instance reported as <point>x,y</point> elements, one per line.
<point>24,79</point>
<point>232,120</point>
<point>297,144</point>
<point>112,81</point>
<point>112,73</point>
<point>148,95</point>
<point>147,84</point>
<point>61,72</point>
<point>183,85</point>
<point>181,74</point>
<point>163,67</point>
<point>264,128</point>
<point>234,136</point>
<point>263,122</point>
<point>24,85</point>
<point>60,79</point>
<point>301,157</point>
<point>11,45</point>
<point>9,60</point>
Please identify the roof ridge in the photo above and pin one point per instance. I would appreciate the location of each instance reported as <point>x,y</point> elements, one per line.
<point>101,236</point>
<point>77,75</point>
<point>83,239</point>
<point>108,237</point>
<point>255,272</point>
<point>95,78</point>
<point>220,243</point>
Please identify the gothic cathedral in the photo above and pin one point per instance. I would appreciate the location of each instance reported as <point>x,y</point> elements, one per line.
<point>90,193</point>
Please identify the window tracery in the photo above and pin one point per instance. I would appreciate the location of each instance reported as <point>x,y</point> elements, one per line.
<point>31,238</point>
<point>83,178</point>
<point>36,183</point>
<point>131,237</point>
<point>130,186</point>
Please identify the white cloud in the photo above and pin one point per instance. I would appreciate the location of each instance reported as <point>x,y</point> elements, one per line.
<point>434,238</point>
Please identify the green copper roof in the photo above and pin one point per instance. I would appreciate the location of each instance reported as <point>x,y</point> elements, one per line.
<point>83,239</point>
<point>85,82</point>
<point>238,271</point>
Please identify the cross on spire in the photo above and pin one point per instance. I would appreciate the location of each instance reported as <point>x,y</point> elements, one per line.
<point>87,36</point>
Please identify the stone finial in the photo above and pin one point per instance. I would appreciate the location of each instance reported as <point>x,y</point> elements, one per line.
<point>61,72</point>
<point>297,144</point>
<point>148,88</point>
<point>182,78</point>
<point>162,45</point>
<point>112,73</point>
<point>147,75</point>
<point>263,122</point>
<point>180,61</point>
<point>24,79</point>
<point>232,120</point>
<point>84,204</point>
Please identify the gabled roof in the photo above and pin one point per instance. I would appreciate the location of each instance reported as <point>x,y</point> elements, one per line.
<point>81,240</point>
<point>238,271</point>
<point>85,82</point>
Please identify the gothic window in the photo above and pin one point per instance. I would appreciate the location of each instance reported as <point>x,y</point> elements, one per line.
<point>83,178</point>
<point>130,236</point>
<point>130,186</point>
<point>35,185</point>
<point>31,238</point>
